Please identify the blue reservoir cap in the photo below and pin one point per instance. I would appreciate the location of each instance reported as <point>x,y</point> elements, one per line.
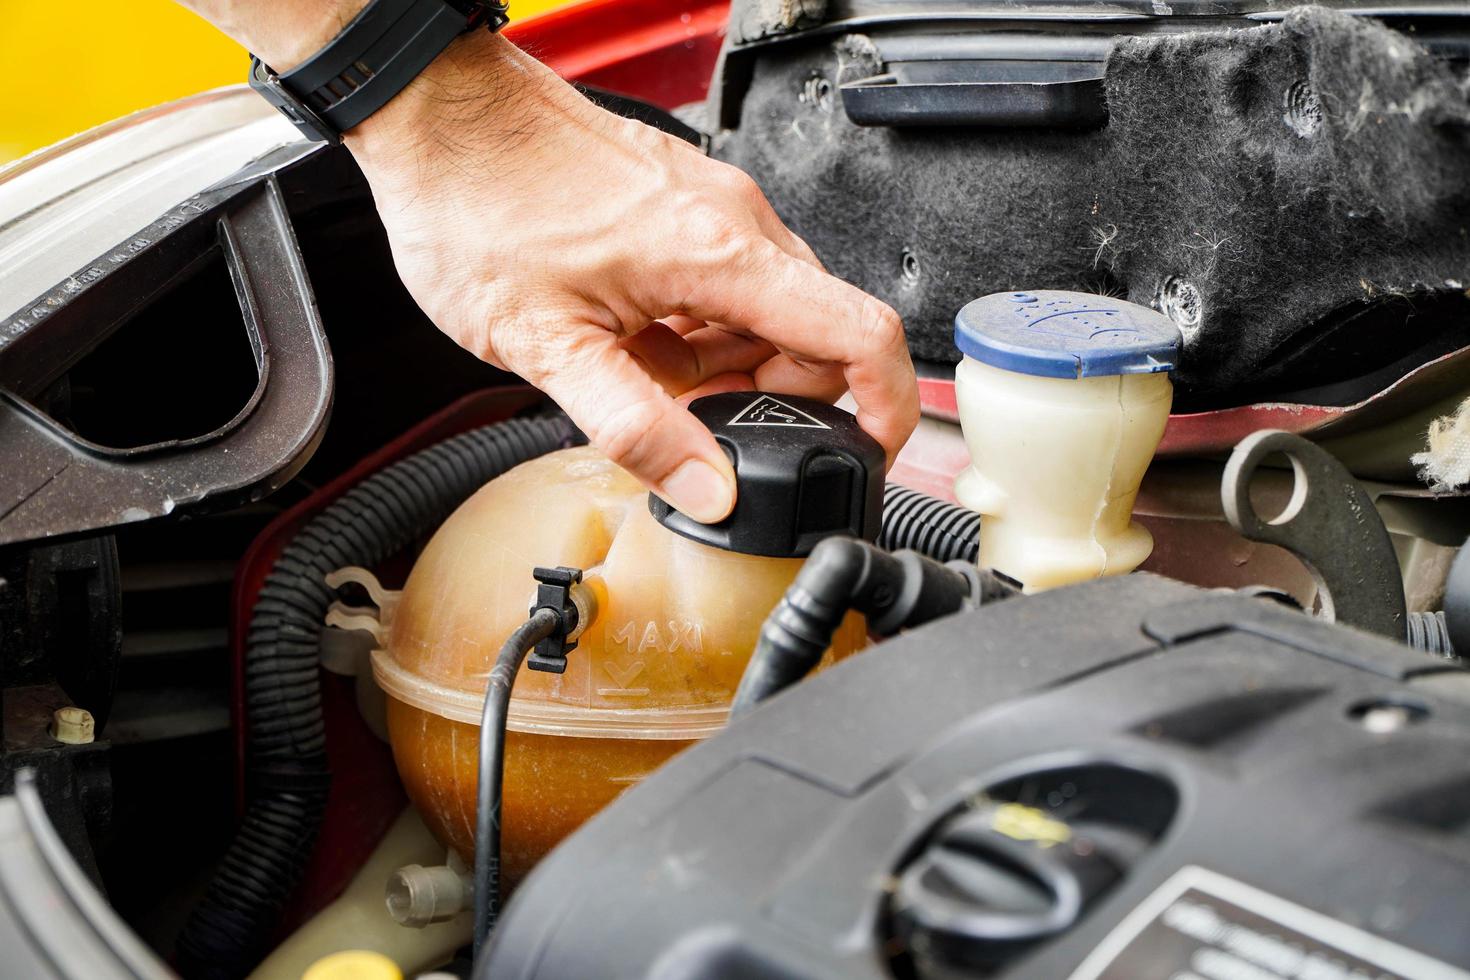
<point>1057,334</point>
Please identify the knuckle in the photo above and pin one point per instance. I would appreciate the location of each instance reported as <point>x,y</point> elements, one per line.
<point>629,435</point>
<point>744,188</point>
<point>725,239</point>
<point>882,328</point>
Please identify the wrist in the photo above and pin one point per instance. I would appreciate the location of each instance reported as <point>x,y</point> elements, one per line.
<point>482,95</point>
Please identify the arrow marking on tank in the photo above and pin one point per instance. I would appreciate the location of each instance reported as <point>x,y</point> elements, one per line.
<point>766,410</point>
<point>622,675</point>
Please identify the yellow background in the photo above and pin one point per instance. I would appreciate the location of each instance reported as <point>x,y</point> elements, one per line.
<point>66,67</point>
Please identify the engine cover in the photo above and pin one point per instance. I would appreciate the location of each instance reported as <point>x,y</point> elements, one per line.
<point>1126,779</point>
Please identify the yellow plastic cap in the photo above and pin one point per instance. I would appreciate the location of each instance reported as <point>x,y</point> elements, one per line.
<point>354,964</point>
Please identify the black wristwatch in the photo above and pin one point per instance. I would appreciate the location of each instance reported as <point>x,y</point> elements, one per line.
<point>373,59</point>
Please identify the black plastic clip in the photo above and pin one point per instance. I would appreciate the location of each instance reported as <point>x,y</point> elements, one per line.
<point>555,593</point>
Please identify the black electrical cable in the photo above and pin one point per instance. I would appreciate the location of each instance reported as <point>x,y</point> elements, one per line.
<point>895,591</point>
<point>287,775</point>
<point>543,623</point>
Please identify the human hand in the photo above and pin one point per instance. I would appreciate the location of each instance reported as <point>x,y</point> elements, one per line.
<point>613,266</point>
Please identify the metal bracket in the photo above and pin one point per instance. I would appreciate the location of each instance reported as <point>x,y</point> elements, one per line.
<point>1330,523</point>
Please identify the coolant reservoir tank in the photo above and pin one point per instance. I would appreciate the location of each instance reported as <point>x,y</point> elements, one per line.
<point>679,612</point>
<point>1063,398</point>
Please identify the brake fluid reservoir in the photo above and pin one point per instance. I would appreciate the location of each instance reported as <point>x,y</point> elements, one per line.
<point>679,611</point>
<point>1063,398</point>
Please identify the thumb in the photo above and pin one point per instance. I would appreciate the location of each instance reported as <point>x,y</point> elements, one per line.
<point>628,416</point>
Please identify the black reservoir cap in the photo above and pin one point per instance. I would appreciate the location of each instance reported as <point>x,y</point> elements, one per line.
<point>804,471</point>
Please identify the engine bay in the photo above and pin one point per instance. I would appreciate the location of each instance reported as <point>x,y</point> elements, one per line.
<point>320,638</point>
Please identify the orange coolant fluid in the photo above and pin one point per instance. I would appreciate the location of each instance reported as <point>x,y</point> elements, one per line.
<point>655,671</point>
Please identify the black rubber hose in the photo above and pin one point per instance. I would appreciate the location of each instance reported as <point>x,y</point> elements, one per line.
<point>928,525</point>
<point>800,628</point>
<point>895,591</point>
<point>542,623</point>
<point>287,775</point>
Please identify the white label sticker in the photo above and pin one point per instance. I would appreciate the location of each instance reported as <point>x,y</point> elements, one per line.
<point>1201,925</point>
<point>766,410</point>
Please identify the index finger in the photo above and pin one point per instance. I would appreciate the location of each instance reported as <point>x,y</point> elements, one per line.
<point>816,316</point>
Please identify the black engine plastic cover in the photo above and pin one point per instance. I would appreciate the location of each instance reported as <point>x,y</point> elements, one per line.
<point>1236,786</point>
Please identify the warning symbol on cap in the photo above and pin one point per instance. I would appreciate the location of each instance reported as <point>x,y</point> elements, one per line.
<point>766,410</point>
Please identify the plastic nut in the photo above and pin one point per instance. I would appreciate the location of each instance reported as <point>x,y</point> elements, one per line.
<point>418,896</point>
<point>73,726</point>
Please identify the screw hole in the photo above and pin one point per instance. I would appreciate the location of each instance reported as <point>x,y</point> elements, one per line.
<point>909,267</point>
<point>817,91</point>
<point>1301,109</point>
<point>1181,301</point>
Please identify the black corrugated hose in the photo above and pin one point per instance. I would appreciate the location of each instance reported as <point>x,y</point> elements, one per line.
<point>933,527</point>
<point>1428,631</point>
<point>287,775</point>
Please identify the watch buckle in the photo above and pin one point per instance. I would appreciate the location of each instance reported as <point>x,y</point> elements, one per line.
<point>311,125</point>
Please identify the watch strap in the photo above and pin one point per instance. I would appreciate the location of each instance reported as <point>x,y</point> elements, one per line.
<point>376,56</point>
